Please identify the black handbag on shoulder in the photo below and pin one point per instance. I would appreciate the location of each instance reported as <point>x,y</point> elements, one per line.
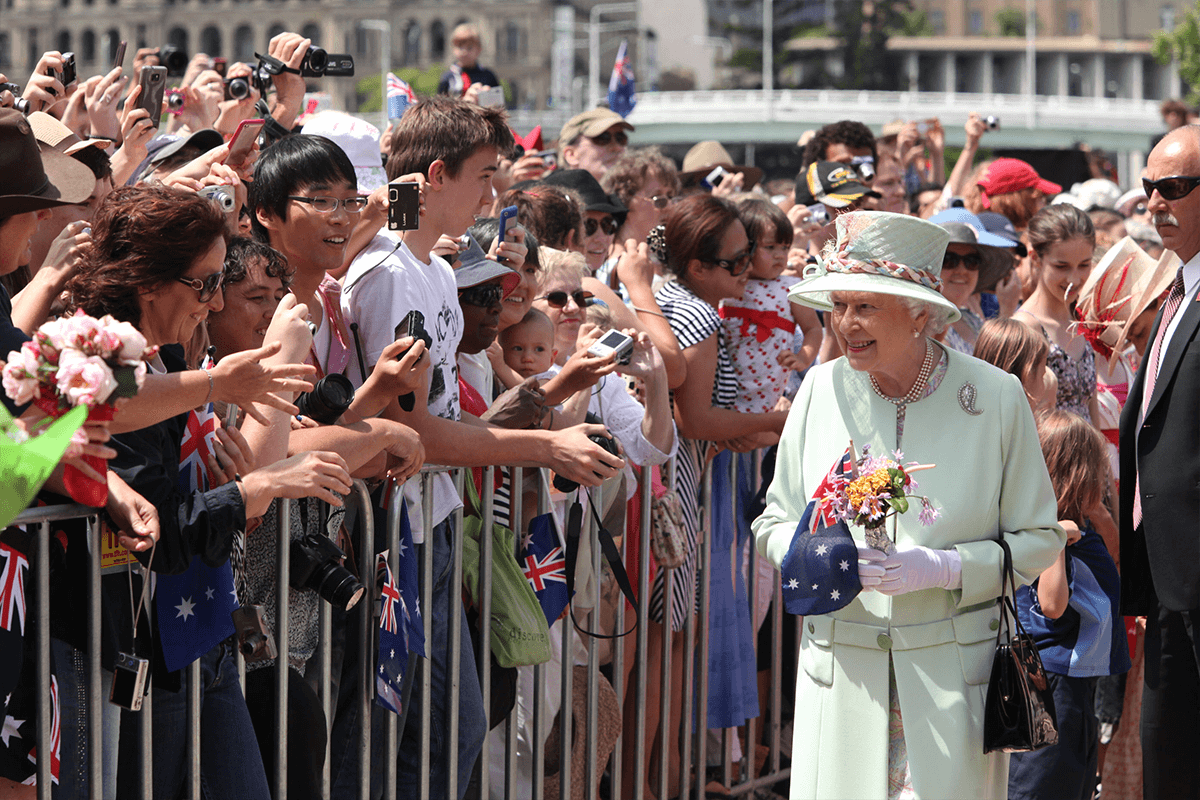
<point>1019,712</point>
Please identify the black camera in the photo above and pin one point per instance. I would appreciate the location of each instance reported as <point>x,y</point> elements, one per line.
<point>173,58</point>
<point>237,88</point>
<point>254,634</point>
<point>19,103</point>
<point>68,74</point>
<point>317,63</point>
<point>328,400</point>
<point>317,564</point>
<point>609,443</point>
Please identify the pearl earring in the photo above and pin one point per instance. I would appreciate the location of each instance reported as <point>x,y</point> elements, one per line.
<point>916,334</point>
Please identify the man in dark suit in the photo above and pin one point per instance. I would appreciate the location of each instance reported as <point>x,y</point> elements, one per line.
<point>1160,486</point>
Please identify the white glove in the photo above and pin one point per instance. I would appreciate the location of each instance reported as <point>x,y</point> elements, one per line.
<point>909,570</point>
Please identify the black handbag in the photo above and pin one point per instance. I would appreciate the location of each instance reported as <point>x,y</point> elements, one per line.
<point>1019,713</point>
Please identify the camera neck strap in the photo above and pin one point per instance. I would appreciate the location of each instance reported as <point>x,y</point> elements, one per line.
<point>136,610</point>
<point>613,556</point>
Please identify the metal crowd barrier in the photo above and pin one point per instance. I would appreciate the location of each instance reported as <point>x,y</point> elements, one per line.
<point>685,746</point>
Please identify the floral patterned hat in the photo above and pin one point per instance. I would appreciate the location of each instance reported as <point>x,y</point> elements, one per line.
<point>877,251</point>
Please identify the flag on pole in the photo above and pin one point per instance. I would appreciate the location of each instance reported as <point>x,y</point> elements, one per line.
<point>399,96</point>
<point>544,563</point>
<point>621,98</point>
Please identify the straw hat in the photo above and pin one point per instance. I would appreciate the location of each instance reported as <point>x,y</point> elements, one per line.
<point>877,251</point>
<point>52,133</point>
<point>608,728</point>
<point>706,155</point>
<point>1120,287</point>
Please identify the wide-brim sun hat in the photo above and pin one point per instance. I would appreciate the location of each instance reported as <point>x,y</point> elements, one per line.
<point>994,251</point>
<point>358,139</point>
<point>881,252</point>
<point>709,154</point>
<point>31,180</point>
<point>1119,288</point>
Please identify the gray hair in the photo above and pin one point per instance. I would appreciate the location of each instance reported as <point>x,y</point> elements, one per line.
<point>939,315</point>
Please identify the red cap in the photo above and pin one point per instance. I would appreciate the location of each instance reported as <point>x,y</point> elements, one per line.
<point>1007,175</point>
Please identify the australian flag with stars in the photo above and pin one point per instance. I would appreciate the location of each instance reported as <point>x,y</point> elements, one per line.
<point>401,629</point>
<point>544,562</point>
<point>194,608</point>
<point>820,570</point>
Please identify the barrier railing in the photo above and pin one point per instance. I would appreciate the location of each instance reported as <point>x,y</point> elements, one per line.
<point>524,753</point>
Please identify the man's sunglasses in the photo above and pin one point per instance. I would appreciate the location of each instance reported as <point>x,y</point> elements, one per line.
<point>608,137</point>
<point>1171,188</point>
<point>606,224</point>
<point>559,299</point>
<point>207,287</point>
<point>971,261</point>
<point>484,295</point>
<point>738,264</point>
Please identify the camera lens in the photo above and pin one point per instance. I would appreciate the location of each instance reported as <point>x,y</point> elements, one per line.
<point>174,59</point>
<point>252,643</point>
<point>315,565</point>
<point>175,100</point>
<point>317,60</point>
<point>328,400</point>
<point>337,586</point>
<point>238,88</point>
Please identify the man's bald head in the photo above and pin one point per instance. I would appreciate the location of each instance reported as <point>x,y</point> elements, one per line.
<point>1178,220</point>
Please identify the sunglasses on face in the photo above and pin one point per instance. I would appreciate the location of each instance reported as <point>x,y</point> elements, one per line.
<point>1171,188</point>
<point>207,287</point>
<point>327,205</point>
<point>608,137</point>
<point>485,295</point>
<point>971,261</point>
<point>606,224</point>
<point>738,264</point>
<point>559,299</point>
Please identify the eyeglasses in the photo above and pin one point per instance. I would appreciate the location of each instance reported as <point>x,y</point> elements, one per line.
<point>738,264</point>
<point>1140,209</point>
<point>608,137</point>
<point>207,287</point>
<point>661,201</point>
<point>484,295</point>
<point>606,224</point>
<point>559,299</point>
<point>327,205</point>
<point>1171,188</point>
<point>971,261</point>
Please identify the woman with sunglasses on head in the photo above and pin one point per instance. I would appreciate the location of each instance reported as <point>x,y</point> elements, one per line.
<point>1061,242</point>
<point>157,262</point>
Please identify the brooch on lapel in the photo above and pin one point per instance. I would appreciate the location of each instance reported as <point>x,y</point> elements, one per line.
<point>966,398</point>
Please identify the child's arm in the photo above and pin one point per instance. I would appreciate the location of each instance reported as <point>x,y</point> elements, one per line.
<point>806,318</point>
<point>507,376</point>
<point>1053,590</point>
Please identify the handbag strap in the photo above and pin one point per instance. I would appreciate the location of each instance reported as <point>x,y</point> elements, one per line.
<point>609,548</point>
<point>1008,594</point>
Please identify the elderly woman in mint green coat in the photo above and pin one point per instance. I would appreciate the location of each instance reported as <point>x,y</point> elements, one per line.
<point>890,694</point>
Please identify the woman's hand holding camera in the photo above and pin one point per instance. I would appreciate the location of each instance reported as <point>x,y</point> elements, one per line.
<point>635,267</point>
<point>318,474</point>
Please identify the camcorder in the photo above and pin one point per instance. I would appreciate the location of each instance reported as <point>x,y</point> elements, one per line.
<point>316,564</point>
<point>317,63</point>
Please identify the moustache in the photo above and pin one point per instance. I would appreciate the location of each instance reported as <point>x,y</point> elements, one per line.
<point>1161,218</point>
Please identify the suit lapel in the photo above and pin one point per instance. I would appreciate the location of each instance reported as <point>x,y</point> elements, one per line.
<point>1182,337</point>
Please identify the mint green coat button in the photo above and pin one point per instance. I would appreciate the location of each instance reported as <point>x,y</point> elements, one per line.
<point>885,641</point>
<point>811,628</point>
<point>994,624</point>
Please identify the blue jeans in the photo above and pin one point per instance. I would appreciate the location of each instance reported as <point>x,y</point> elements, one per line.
<point>230,763</point>
<point>471,720</point>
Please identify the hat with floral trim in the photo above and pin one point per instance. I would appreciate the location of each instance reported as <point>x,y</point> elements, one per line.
<point>878,251</point>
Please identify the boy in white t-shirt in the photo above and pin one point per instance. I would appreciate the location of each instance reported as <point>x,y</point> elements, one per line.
<point>455,146</point>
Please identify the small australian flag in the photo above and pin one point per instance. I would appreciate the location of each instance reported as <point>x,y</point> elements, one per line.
<point>820,571</point>
<point>393,649</point>
<point>544,562</point>
<point>621,97</point>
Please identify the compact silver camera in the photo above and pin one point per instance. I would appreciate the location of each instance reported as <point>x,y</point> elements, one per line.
<point>129,681</point>
<point>613,342</point>
<point>254,634</point>
<point>221,195</point>
<point>992,122</point>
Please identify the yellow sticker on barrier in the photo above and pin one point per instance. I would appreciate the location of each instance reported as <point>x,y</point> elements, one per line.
<point>112,554</point>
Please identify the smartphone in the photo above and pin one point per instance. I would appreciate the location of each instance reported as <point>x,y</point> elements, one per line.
<point>613,342</point>
<point>404,207</point>
<point>243,140</point>
<point>492,96</point>
<point>119,58</point>
<point>231,415</point>
<point>412,325</point>
<point>507,215</point>
<point>153,81</point>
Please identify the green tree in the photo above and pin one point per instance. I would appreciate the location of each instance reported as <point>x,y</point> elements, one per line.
<point>864,28</point>
<point>1011,22</point>
<point>1183,45</point>
<point>423,82</point>
<point>916,23</point>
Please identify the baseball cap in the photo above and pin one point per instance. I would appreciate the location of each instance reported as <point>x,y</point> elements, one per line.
<point>833,183</point>
<point>204,140</point>
<point>590,123</point>
<point>476,268</point>
<point>1007,175</point>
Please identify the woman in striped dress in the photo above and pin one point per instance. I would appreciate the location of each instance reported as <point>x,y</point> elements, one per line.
<point>705,248</point>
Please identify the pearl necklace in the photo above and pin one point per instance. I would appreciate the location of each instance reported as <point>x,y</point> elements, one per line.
<point>918,388</point>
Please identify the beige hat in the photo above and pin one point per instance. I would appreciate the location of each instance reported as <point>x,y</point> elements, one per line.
<point>706,155</point>
<point>590,123</point>
<point>1120,287</point>
<point>52,133</point>
<point>608,728</point>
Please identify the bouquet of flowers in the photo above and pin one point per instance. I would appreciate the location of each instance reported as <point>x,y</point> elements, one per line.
<point>875,489</point>
<point>76,362</point>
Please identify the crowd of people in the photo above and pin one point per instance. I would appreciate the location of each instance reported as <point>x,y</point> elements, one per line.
<point>634,325</point>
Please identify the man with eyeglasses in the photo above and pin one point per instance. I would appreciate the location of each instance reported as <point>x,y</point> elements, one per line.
<point>593,140</point>
<point>1160,473</point>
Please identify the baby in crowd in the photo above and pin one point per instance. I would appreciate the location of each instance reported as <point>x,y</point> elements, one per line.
<point>529,345</point>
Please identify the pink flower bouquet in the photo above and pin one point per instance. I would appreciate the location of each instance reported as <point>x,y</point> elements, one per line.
<point>79,361</point>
